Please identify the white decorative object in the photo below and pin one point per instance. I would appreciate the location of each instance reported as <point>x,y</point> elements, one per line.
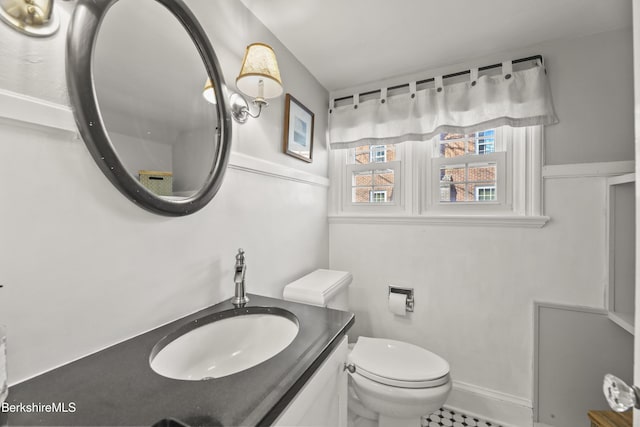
<point>398,304</point>
<point>513,98</point>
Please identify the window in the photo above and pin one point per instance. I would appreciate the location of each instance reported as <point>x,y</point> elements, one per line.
<point>486,193</point>
<point>378,153</point>
<point>469,168</point>
<point>378,196</point>
<point>367,185</point>
<point>495,172</point>
<point>490,176</point>
<point>485,142</point>
<point>372,175</point>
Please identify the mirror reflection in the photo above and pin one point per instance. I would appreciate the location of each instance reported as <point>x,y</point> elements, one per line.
<point>148,79</point>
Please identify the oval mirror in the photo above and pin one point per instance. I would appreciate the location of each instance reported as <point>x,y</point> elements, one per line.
<point>136,70</point>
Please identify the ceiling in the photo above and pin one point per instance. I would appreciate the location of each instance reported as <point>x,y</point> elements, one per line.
<point>346,43</point>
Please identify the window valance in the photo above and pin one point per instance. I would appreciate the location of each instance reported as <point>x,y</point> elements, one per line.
<point>514,98</point>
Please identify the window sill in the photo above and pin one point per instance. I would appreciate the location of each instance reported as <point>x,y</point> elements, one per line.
<point>475,220</point>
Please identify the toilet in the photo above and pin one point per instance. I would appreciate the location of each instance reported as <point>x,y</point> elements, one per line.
<point>394,383</point>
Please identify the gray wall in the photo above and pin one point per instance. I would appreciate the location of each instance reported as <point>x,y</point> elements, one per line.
<point>475,286</point>
<point>592,85</point>
<point>83,267</point>
<point>576,347</point>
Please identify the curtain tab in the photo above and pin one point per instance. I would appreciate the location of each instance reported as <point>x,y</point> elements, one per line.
<point>473,76</point>
<point>383,95</point>
<point>412,89</point>
<point>540,63</point>
<point>332,105</point>
<point>439,83</point>
<point>356,101</point>
<point>507,69</point>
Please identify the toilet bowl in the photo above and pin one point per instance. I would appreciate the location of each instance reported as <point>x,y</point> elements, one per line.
<point>401,382</point>
<point>393,383</point>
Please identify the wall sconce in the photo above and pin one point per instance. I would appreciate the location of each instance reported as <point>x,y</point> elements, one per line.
<point>32,17</point>
<point>259,79</point>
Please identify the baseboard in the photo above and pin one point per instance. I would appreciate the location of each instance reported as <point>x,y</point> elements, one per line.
<point>496,407</point>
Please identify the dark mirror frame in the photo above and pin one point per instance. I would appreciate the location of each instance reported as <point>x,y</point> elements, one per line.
<point>81,39</point>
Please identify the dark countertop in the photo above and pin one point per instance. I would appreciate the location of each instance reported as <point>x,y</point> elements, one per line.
<point>117,387</point>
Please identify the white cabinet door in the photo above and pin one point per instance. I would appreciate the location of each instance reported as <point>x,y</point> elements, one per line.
<point>323,400</point>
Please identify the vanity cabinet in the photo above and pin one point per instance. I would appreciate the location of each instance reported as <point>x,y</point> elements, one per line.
<point>304,384</point>
<point>323,399</point>
<point>621,250</point>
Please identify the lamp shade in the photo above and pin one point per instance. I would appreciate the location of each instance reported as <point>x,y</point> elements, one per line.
<point>208,92</point>
<point>259,76</point>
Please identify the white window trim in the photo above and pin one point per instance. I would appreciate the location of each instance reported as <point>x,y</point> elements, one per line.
<point>396,203</point>
<point>454,220</point>
<point>523,184</point>
<point>502,185</point>
<point>412,203</point>
<point>529,153</point>
<point>340,203</point>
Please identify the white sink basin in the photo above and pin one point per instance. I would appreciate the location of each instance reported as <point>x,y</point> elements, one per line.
<point>215,347</point>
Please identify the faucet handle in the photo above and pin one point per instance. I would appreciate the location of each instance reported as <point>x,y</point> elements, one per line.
<point>240,256</point>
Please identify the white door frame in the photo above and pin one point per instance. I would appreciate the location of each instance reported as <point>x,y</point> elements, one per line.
<point>636,74</point>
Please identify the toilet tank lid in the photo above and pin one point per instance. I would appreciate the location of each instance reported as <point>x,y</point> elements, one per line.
<point>317,287</point>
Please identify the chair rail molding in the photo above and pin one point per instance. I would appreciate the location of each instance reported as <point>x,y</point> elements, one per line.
<point>35,111</point>
<point>586,170</point>
<point>41,113</point>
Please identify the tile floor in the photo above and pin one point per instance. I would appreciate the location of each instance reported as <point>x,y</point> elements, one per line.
<point>446,417</point>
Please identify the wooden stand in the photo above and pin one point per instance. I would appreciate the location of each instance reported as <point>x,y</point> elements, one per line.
<point>611,419</point>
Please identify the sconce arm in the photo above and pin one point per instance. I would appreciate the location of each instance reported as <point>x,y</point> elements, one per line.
<point>240,108</point>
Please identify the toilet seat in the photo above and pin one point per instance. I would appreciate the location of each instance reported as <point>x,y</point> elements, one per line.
<point>403,384</point>
<point>398,364</point>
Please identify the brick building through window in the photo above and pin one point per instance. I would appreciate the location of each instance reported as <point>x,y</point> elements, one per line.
<point>471,180</point>
<point>375,184</point>
<point>489,172</point>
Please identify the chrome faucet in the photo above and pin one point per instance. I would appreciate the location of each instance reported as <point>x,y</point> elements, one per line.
<point>240,270</point>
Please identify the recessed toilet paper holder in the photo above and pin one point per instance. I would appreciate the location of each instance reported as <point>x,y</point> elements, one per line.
<point>406,291</point>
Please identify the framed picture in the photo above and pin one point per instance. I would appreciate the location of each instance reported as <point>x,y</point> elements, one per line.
<point>298,129</point>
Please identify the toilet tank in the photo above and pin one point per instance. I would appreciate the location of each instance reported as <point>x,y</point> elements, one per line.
<point>325,288</point>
